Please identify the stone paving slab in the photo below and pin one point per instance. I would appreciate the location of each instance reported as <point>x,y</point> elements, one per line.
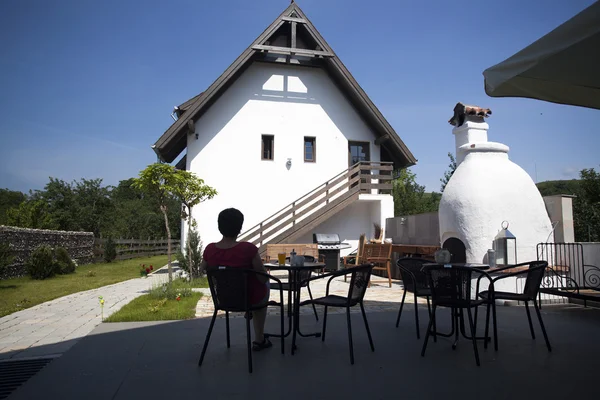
<point>54,326</point>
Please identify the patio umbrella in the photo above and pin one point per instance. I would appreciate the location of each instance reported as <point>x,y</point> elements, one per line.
<point>562,67</point>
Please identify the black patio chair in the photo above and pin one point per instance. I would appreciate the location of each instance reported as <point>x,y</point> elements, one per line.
<point>415,282</point>
<point>451,287</point>
<point>229,291</point>
<point>359,281</point>
<point>534,275</point>
<point>303,277</point>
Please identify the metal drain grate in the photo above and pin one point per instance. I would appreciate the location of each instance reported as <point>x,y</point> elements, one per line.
<point>14,373</point>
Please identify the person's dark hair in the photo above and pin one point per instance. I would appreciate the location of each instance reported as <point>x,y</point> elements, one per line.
<point>230,222</point>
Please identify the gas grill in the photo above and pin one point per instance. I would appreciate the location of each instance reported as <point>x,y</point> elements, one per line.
<point>329,245</point>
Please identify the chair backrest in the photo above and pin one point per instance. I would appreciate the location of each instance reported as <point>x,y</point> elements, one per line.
<point>359,252</point>
<point>412,273</point>
<point>451,286</point>
<point>229,287</point>
<point>379,250</point>
<point>359,281</point>
<point>535,274</point>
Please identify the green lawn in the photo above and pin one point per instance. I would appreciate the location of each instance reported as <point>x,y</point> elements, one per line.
<point>149,308</point>
<point>20,293</point>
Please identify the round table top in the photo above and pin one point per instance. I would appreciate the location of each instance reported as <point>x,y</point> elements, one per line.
<point>287,266</point>
<point>469,265</point>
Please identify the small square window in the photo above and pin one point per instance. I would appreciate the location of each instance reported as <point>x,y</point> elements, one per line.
<point>267,147</point>
<point>310,149</point>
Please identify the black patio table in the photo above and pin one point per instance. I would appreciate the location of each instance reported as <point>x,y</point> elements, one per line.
<point>295,287</point>
<point>457,313</point>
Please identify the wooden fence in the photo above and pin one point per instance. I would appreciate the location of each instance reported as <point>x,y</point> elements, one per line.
<point>134,248</point>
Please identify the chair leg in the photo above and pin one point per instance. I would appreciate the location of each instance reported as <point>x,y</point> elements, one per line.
<point>487,326</point>
<point>537,310</point>
<point>350,336</point>
<point>434,328</point>
<point>210,328</point>
<point>417,317</point>
<point>473,335</point>
<point>389,273</point>
<point>282,316</point>
<point>227,328</point>
<point>529,318</point>
<point>248,341</point>
<point>494,322</point>
<point>432,315</point>
<point>314,307</point>
<point>324,324</point>
<point>428,330</point>
<point>400,310</point>
<point>362,308</point>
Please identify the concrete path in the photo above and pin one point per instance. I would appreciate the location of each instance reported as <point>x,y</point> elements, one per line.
<point>54,326</point>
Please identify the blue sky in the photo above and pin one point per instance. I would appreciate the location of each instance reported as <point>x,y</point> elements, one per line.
<point>86,87</point>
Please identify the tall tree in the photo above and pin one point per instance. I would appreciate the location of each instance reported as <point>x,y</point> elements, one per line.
<point>448,174</point>
<point>93,204</point>
<point>191,191</point>
<point>157,179</point>
<point>33,214</point>
<point>586,207</point>
<point>410,198</point>
<point>8,200</point>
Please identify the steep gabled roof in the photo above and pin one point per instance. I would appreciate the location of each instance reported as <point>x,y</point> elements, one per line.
<point>291,34</point>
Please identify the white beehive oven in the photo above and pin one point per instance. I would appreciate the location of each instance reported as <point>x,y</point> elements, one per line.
<point>485,190</point>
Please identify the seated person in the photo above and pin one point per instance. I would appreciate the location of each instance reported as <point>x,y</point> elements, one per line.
<point>231,253</point>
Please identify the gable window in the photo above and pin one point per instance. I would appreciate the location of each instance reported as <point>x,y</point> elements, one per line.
<point>267,147</point>
<point>310,149</point>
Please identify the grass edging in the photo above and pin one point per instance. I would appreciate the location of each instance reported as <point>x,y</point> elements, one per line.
<point>149,308</point>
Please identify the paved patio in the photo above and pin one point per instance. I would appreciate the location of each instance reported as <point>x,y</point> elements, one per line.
<point>159,360</point>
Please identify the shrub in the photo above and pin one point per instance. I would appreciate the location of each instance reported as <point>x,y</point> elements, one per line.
<point>110,250</point>
<point>63,260</point>
<point>196,250</point>
<point>170,291</point>
<point>40,264</point>
<point>6,255</point>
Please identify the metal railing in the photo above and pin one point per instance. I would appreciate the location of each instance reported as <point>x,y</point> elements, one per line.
<point>362,177</point>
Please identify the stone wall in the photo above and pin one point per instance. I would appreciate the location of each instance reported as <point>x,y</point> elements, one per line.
<point>23,241</point>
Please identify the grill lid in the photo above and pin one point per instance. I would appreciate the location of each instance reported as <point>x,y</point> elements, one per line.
<point>326,238</point>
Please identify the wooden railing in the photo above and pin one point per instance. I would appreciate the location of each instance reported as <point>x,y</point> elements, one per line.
<point>322,202</point>
<point>134,248</point>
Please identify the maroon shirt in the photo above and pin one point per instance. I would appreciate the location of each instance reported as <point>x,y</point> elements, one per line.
<point>238,256</point>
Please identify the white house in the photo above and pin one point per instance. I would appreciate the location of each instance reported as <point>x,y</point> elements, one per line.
<point>275,129</point>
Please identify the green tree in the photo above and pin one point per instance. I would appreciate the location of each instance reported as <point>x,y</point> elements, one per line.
<point>92,205</point>
<point>448,174</point>
<point>191,191</point>
<point>586,207</point>
<point>157,180</point>
<point>60,199</point>
<point>409,197</point>
<point>8,200</point>
<point>33,214</point>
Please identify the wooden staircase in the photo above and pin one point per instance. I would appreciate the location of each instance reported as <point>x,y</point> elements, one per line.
<point>320,204</point>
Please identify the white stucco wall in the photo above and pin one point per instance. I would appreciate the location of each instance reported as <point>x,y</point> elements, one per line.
<point>486,189</point>
<point>290,103</point>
